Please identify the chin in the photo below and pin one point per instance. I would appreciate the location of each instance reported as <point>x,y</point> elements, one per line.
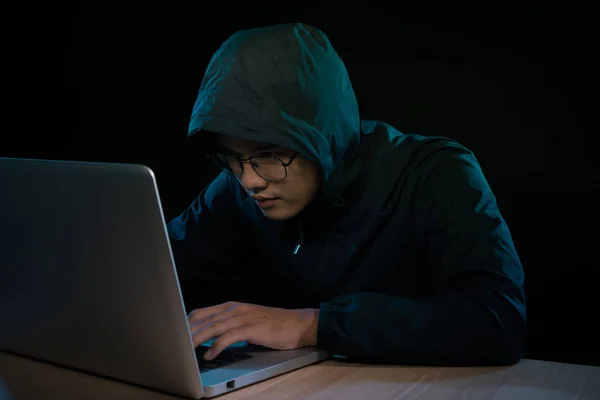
<point>279,213</point>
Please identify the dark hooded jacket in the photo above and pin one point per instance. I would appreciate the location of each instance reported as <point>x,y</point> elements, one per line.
<point>404,251</point>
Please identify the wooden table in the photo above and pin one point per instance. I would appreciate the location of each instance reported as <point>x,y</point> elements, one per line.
<point>22,378</point>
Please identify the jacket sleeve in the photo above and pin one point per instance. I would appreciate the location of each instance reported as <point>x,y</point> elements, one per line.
<point>208,244</point>
<point>477,315</point>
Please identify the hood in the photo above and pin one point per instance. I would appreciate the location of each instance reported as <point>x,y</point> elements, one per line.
<point>285,85</point>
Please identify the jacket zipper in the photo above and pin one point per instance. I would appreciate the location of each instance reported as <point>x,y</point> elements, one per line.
<point>300,238</point>
<point>299,243</point>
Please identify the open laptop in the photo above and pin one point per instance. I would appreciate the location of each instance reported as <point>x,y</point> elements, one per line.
<point>88,281</point>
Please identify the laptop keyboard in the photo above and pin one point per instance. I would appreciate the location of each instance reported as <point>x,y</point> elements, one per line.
<point>227,357</point>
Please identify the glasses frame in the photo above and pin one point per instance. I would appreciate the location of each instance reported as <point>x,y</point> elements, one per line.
<point>249,160</point>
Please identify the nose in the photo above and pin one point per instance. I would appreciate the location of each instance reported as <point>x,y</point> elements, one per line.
<point>250,180</point>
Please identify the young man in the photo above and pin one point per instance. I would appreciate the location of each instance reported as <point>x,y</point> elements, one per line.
<point>373,244</point>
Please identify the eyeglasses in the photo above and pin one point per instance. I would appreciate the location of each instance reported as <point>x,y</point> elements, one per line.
<point>270,167</point>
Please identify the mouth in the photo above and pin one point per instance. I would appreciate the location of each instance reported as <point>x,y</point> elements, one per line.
<point>265,203</point>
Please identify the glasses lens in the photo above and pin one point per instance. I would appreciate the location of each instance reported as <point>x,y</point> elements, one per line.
<point>269,168</point>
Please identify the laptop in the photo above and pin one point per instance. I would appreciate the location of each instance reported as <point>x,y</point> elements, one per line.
<point>88,282</point>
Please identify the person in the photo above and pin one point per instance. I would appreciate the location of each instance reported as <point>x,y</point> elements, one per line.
<point>327,230</point>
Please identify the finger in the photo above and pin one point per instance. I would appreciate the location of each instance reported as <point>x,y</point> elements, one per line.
<point>232,336</point>
<point>200,324</point>
<point>218,320</point>
<point>215,329</point>
<point>201,313</point>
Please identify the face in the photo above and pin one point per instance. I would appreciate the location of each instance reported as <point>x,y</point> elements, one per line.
<point>277,200</point>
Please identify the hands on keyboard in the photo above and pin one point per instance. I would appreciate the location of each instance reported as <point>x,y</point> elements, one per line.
<point>227,357</point>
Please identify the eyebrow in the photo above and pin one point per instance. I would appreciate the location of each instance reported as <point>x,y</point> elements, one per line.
<point>265,147</point>
<point>261,147</point>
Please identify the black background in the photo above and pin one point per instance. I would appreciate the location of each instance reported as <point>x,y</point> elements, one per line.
<point>117,82</point>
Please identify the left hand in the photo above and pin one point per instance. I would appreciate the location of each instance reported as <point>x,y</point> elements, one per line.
<point>233,322</point>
